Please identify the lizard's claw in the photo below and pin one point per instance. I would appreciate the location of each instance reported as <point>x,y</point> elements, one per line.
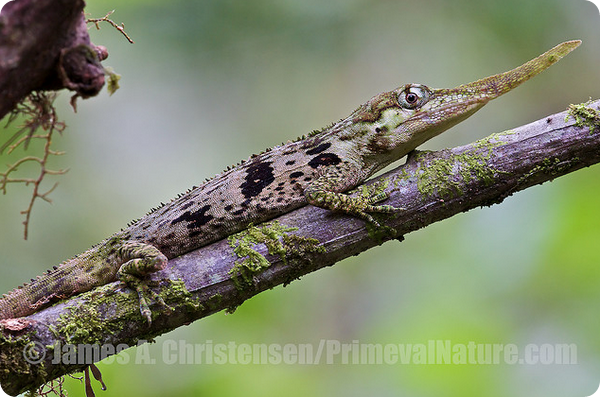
<point>377,198</point>
<point>370,208</point>
<point>141,287</point>
<point>143,290</point>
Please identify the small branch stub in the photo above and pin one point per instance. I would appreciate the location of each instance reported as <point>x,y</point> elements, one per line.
<point>120,28</point>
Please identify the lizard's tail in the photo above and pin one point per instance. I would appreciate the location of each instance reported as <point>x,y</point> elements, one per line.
<point>28,298</point>
<point>69,278</point>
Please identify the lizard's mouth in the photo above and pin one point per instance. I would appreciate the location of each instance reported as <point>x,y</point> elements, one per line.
<point>447,114</point>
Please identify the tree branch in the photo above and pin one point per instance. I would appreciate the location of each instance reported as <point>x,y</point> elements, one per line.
<point>44,45</point>
<point>431,186</point>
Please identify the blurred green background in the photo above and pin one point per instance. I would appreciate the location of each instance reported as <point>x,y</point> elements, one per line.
<point>209,82</point>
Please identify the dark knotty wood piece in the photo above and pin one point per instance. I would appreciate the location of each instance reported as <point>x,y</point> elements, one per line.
<point>44,45</point>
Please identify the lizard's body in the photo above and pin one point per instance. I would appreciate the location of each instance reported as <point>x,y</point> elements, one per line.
<point>315,170</point>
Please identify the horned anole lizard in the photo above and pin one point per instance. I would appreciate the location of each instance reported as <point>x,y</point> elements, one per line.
<point>316,169</point>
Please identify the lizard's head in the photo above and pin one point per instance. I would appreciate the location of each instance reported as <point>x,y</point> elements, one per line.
<point>400,120</point>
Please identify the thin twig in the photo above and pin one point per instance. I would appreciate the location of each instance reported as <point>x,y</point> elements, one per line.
<point>120,28</point>
<point>39,113</point>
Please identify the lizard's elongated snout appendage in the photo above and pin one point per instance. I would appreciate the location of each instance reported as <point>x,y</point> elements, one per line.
<point>498,84</point>
<point>436,110</point>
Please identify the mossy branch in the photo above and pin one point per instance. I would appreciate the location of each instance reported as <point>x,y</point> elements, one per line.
<point>431,186</point>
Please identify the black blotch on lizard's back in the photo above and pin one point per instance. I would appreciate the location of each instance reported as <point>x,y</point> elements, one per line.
<point>321,148</point>
<point>195,218</point>
<point>324,159</point>
<point>258,177</point>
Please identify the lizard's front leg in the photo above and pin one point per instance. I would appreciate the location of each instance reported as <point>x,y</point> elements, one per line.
<point>140,259</point>
<point>326,192</point>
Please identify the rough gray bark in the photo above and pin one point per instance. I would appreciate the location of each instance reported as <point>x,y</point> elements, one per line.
<point>44,45</point>
<point>431,186</point>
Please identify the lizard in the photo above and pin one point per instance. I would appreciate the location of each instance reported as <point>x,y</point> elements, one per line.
<point>316,169</point>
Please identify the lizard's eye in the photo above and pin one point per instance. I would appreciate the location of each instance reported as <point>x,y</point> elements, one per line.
<point>413,96</point>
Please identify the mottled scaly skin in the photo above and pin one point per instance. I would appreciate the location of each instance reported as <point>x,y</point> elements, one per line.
<point>316,169</point>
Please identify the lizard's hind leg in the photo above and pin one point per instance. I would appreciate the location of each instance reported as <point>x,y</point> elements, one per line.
<point>140,259</point>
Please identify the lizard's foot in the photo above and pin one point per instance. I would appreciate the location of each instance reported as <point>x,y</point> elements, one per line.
<point>327,192</point>
<point>365,206</point>
<point>141,259</point>
<point>143,290</point>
